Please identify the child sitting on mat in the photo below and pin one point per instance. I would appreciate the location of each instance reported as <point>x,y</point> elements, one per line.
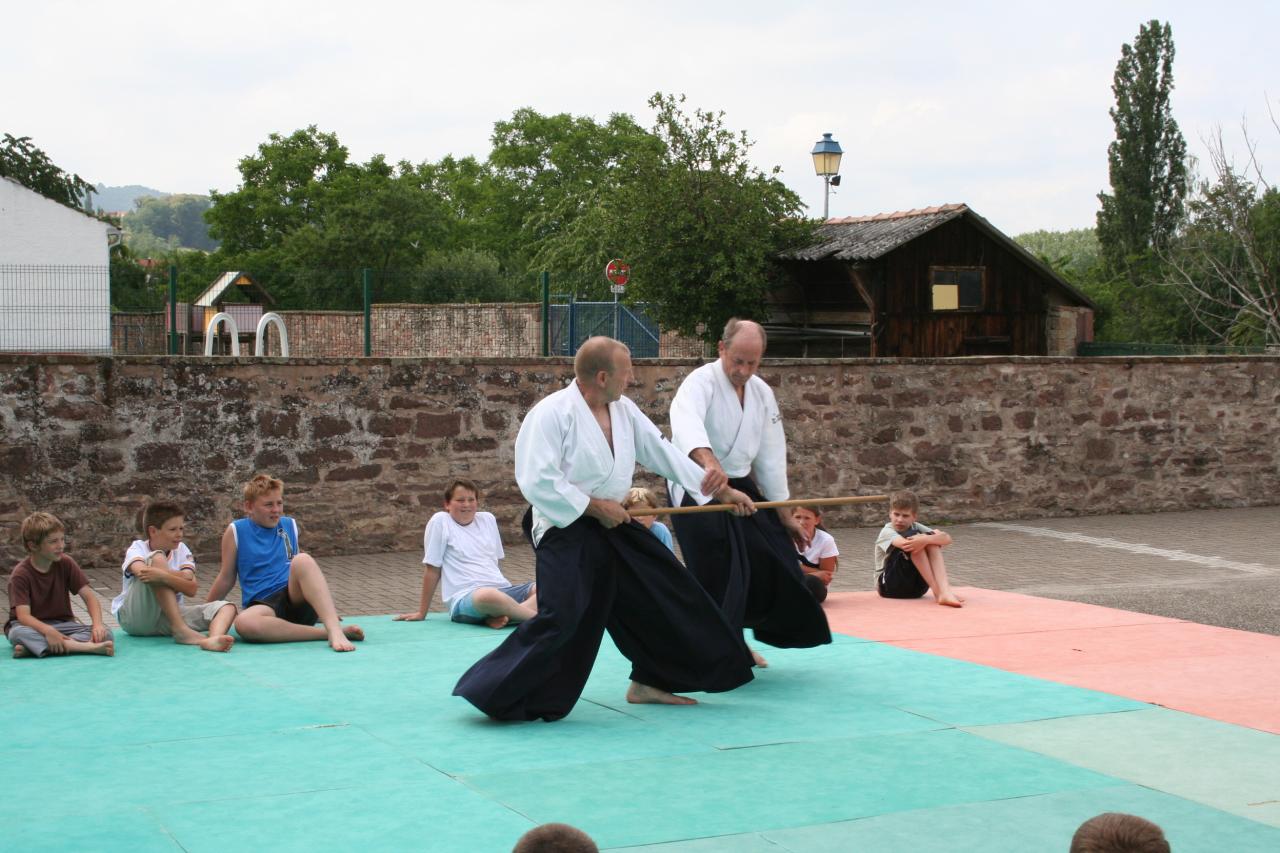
<point>41,621</point>
<point>463,548</point>
<point>157,573</point>
<point>909,555</point>
<point>642,498</point>
<point>818,559</point>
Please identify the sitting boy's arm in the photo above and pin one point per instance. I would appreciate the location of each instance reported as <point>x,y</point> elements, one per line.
<point>98,630</point>
<point>155,569</point>
<point>940,538</point>
<point>430,579</point>
<point>227,573</point>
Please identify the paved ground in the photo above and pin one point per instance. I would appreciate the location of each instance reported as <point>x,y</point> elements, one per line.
<point>1217,567</point>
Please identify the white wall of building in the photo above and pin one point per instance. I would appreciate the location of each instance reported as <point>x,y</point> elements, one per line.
<point>54,284</point>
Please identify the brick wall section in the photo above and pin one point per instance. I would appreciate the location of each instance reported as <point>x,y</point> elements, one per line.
<point>490,330</point>
<point>138,333</point>
<point>366,445</point>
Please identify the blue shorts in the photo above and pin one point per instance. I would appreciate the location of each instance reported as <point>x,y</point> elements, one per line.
<point>463,609</point>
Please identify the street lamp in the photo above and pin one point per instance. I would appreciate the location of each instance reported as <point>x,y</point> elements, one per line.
<point>826,162</point>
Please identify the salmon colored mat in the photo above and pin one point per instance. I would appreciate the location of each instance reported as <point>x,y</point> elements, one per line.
<point>1226,675</point>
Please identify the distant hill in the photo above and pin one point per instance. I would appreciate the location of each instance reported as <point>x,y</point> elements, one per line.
<point>122,198</point>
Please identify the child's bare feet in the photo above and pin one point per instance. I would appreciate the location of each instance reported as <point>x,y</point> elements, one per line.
<point>107,648</point>
<point>497,621</point>
<point>222,643</point>
<point>353,632</point>
<point>20,651</point>
<point>643,694</point>
<point>190,638</point>
<point>759,659</point>
<point>951,600</point>
<point>340,643</point>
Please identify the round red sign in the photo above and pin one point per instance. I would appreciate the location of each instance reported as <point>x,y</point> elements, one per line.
<point>617,272</point>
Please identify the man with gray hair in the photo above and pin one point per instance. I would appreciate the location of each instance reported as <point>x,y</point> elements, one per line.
<point>726,418</point>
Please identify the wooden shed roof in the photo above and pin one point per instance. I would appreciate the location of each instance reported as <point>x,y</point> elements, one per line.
<point>866,238</point>
<point>213,293</point>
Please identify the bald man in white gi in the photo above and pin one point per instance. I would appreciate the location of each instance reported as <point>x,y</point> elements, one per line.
<point>597,568</point>
<point>726,418</point>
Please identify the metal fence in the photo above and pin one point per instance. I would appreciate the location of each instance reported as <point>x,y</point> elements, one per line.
<point>571,323</point>
<point>55,309</point>
<point>1097,348</point>
<point>326,313</point>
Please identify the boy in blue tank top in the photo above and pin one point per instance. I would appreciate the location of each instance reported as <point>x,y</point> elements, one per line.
<point>283,590</point>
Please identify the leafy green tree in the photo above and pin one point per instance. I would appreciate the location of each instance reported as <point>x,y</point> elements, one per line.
<point>279,191</point>
<point>1146,161</point>
<point>547,171</point>
<point>176,220</point>
<point>305,220</point>
<point>700,224</point>
<point>31,167</point>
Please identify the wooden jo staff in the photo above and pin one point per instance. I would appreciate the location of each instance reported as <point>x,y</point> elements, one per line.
<point>714,507</point>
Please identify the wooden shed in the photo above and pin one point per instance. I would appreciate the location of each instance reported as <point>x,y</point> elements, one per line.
<point>935,282</point>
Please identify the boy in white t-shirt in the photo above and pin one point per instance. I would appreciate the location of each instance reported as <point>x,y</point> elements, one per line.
<point>157,572</point>
<point>818,559</point>
<point>463,548</point>
<point>908,554</point>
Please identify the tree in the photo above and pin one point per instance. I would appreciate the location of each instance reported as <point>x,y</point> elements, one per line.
<point>31,167</point>
<point>305,220</point>
<point>1146,160</point>
<point>549,171</point>
<point>700,224</point>
<point>1225,265</point>
<point>176,220</point>
<point>278,191</point>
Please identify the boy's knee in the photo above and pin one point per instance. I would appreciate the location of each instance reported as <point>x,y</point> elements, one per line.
<point>304,562</point>
<point>487,596</point>
<point>249,626</point>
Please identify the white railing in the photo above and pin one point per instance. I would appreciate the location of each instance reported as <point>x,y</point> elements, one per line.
<point>260,342</point>
<point>260,345</point>
<point>211,330</point>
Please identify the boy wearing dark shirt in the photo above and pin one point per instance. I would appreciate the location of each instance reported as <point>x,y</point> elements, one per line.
<point>41,621</point>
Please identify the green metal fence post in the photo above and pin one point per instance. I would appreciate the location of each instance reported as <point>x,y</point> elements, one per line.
<point>173,310</point>
<point>546,314</point>
<point>366,274</point>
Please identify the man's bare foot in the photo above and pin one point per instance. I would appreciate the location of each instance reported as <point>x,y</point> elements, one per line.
<point>951,601</point>
<point>221,643</point>
<point>497,621</point>
<point>20,651</point>
<point>107,648</point>
<point>643,694</point>
<point>759,659</point>
<point>353,632</point>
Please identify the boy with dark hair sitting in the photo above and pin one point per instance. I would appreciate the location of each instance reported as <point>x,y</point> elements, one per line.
<point>159,577</point>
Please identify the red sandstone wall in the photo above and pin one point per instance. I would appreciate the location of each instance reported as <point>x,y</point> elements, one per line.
<point>366,445</point>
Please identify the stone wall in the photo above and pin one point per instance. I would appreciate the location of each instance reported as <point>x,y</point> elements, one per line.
<point>366,445</point>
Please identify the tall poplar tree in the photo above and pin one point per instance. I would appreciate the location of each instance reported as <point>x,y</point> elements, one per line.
<point>1147,159</point>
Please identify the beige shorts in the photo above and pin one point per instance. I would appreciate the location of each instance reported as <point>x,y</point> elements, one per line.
<point>141,616</point>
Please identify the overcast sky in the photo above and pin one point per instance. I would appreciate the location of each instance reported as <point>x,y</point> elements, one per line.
<point>1002,106</point>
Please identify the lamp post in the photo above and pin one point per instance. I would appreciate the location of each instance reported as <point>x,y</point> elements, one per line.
<point>826,162</point>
